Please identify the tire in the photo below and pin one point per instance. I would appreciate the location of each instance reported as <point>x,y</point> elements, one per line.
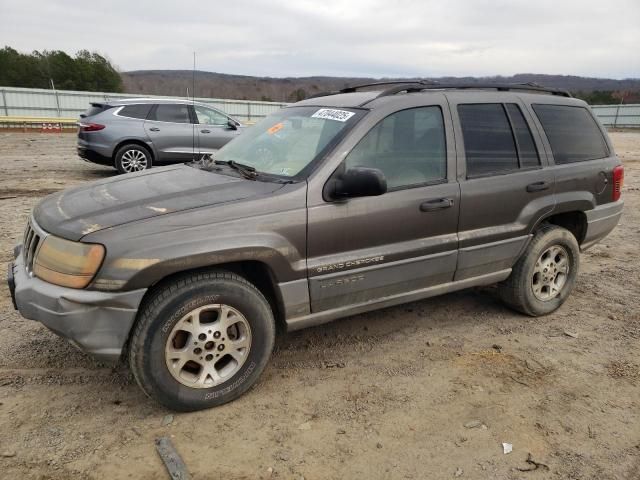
<point>530,288</point>
<point>160,321</point>
<point>132,158</point>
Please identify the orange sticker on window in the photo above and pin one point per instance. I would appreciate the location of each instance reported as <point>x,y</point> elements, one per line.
<point>276,128</point>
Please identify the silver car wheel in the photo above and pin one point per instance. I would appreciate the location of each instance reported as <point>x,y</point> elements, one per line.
<point>266,157</point>
<point>550,273</point>
<point>208,346</point>
<point>133,161</point>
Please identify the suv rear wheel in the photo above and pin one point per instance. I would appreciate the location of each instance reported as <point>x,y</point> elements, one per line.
<point>132,158</point>
<point>202,341</point>
<point>544,276</point>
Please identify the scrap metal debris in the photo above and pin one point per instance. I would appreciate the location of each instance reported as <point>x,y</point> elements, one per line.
<point>473,424</point>
<point>533,465</point>
<point>171,459</point>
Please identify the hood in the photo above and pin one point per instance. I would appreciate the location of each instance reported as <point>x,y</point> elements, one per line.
<point>127,198</point>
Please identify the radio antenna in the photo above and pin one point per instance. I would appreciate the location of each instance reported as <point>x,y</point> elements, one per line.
<point>193,100</point>
<point>193,80</point>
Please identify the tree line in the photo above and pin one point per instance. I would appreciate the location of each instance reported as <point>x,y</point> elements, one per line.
<point>608,97</point>
<point>88,71</point>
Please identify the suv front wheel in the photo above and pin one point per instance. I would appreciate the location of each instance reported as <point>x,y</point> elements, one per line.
<point>544,276</point>
<point>202,340</point>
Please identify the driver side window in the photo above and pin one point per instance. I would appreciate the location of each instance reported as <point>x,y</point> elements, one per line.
<point>209,116</point>
<point>408,147</point>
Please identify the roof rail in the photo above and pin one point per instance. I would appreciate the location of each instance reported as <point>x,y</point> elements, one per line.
<point>420,85</point>
<point>390,82</point>
<point>354,88</point>
<point>501,87</point>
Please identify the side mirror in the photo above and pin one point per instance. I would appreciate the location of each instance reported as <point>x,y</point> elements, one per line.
<point>232,125</point>
<point>360,182</point>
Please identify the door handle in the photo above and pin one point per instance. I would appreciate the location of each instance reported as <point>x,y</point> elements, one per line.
<point>437,204</point>
<point>205,131</point>
<point>154,129</point>
<point>537,187</point>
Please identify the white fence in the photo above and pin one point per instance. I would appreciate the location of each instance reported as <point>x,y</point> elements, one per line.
<point>35,102</point>
<point>622,116</point>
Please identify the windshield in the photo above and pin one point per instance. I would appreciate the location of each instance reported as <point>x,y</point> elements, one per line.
<point>289,140</point>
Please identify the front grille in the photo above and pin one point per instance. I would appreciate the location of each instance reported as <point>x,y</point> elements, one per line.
<point>29,247</point>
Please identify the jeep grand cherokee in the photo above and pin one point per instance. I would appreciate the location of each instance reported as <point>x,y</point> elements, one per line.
<point>336,205</point>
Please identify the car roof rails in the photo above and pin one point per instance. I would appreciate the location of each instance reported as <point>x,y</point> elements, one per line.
<point>410,86</point>
<point>354,88</point>
<point>500,87</point>
<point>390,82</point>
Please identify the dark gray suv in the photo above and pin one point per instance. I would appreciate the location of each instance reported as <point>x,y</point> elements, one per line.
<point>132,135</point>
<point>333,206</point>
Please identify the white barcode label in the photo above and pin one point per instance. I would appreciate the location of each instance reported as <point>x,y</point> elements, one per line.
<point>331,114</point>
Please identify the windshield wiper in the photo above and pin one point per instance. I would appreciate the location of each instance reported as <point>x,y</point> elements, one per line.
<point>247,171</point>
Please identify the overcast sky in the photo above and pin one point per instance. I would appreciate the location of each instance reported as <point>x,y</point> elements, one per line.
<point>345,38</point>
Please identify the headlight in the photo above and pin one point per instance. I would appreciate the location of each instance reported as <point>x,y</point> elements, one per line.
<point>67,263</point>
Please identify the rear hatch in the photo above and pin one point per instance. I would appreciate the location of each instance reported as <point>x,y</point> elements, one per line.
<point>84,122</point>
<point>95,109</point>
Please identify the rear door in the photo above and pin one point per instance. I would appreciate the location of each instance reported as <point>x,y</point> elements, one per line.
<point>370,248</point>
<point>583,159</point>
<point>506,183</point>
<point>213,129</point>
<point>171,131</point>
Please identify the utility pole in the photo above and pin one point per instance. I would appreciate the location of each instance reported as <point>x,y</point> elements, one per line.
<point>55,94</point>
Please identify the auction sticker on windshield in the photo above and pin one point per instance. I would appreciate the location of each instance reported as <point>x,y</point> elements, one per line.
<point>276,128</point>
<point>332,114</point>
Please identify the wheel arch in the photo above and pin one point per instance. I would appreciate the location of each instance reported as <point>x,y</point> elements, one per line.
<point>573,220</point>
<point>257,272</point>
<point>135,141</point>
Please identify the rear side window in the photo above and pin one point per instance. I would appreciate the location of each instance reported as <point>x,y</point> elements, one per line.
<point>572,132</point>
<point>166,112</point>
<point>488,140</point>
<point>135,111</point>
<point>527,150</point>
<point>408,147</point>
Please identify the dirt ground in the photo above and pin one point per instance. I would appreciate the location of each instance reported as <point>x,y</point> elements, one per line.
<point>429,389</point>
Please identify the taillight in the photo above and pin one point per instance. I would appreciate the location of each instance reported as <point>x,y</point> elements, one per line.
<point>618,180</point>
<point>90,127</point>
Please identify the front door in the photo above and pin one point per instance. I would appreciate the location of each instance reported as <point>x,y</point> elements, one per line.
<point>505,187</point>
<point>171,131</point>
<point>213,129</point>
<point>370,248</point>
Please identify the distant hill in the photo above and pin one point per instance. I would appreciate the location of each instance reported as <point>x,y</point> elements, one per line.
<point>220,85</point>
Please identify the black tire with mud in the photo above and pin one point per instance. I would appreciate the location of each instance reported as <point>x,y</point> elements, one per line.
<point>517,290</point>
<point>165,308</point>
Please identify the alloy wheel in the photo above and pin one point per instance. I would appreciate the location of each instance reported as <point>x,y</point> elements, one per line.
<point>550,273</point>
<point>133,161</point>
<point>208,346</point>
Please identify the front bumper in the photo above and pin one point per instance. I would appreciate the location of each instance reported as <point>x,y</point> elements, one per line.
<point>96,322</point>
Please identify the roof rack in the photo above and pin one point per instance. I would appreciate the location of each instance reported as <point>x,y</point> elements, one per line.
<point>420,85</point>
<point>354,88</point>
<point>390,82</point>
<point>500,87</point>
